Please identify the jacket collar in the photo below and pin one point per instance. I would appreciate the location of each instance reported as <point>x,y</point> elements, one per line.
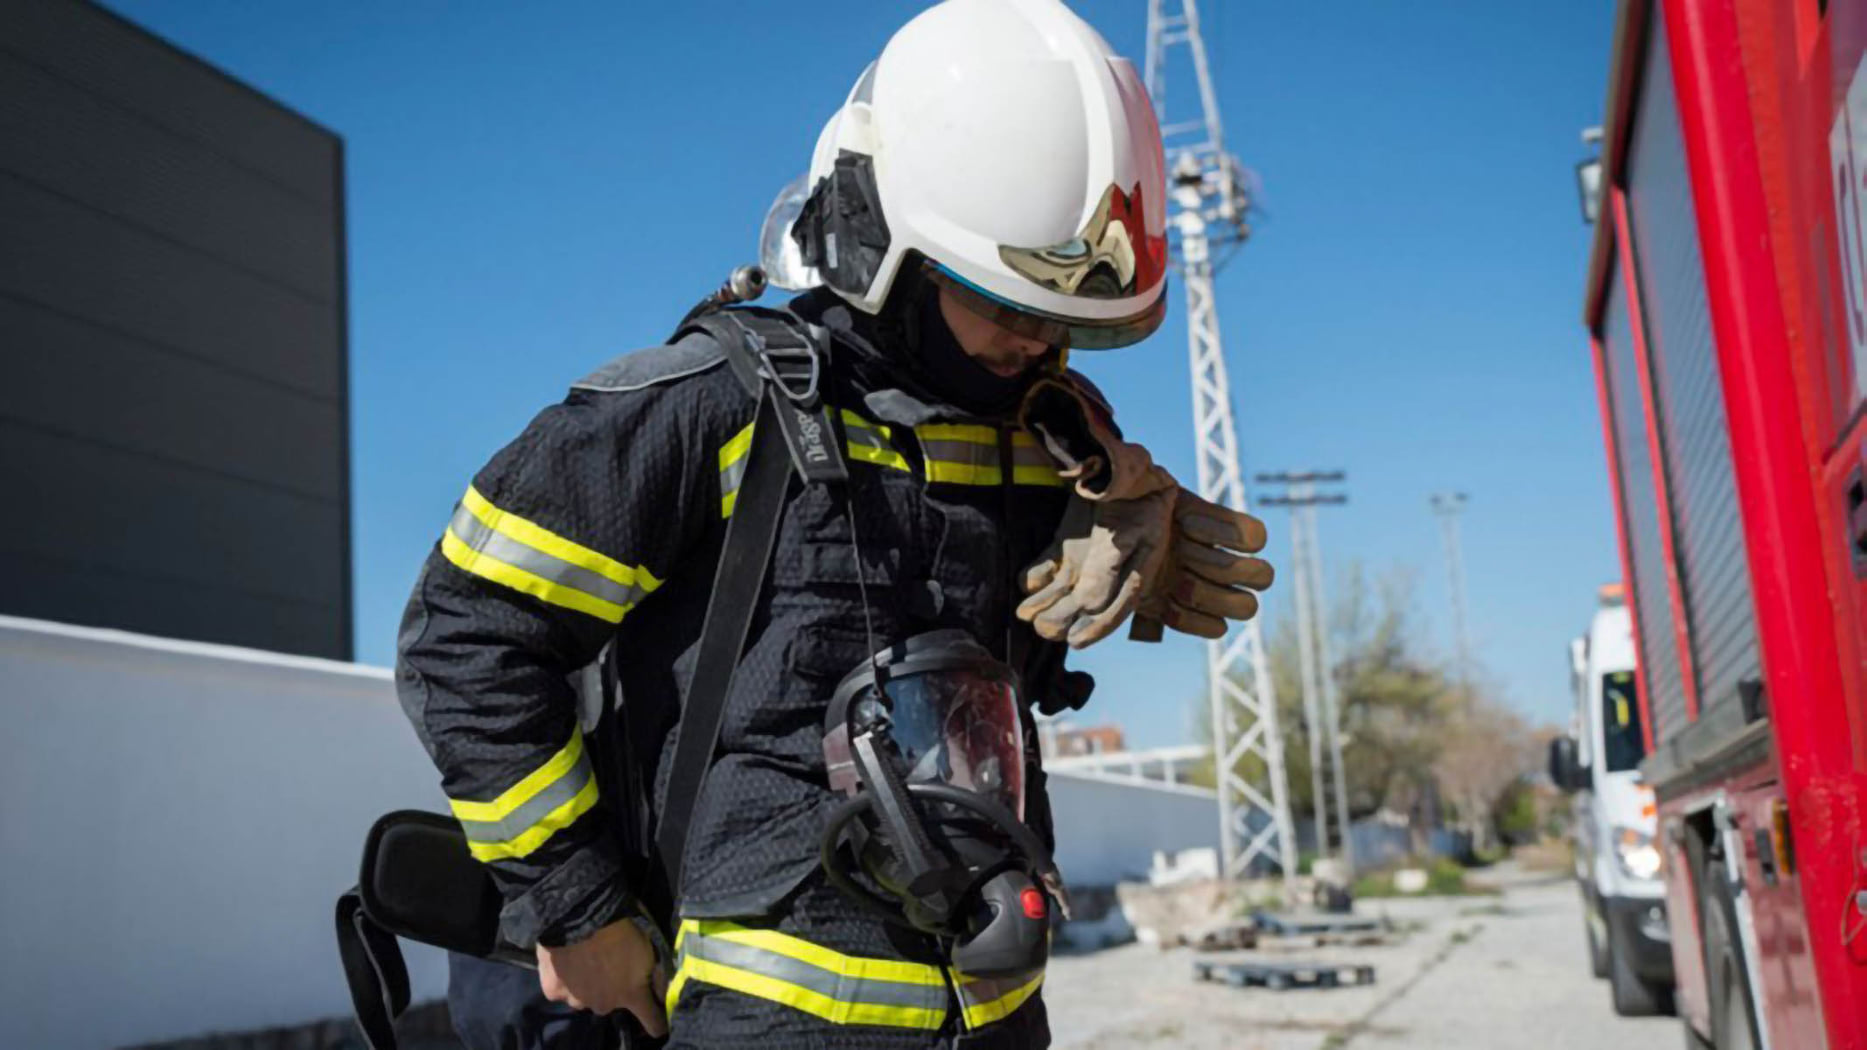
<point>873,361</point>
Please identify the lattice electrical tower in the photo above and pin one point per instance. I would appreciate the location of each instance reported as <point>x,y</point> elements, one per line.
<point>1208,207</point>
<point>1321,704</point>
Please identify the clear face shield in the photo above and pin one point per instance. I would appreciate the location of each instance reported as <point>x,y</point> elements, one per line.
<point>957,727</point>
<point>778,253</point>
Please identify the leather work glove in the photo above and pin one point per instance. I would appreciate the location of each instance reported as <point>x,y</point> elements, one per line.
<point>1111,558</point>
<point>1112,544</point>
<point>1078,432</point>
<point>1107,555</point>
<point>1209,577</point>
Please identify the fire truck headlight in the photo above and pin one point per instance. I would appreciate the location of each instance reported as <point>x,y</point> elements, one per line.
<point>1637,854</point>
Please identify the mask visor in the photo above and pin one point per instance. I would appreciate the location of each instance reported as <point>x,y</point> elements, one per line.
<point>960,728</point>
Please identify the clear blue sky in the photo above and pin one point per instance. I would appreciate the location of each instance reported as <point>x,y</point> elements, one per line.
<point>534,188</point>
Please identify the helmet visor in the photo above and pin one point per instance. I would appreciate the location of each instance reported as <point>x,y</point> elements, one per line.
<point>778,252</point>
<point>960,727</point>
<point>1072,333</point>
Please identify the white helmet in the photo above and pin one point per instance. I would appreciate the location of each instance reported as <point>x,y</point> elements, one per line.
<point>1001,146</point>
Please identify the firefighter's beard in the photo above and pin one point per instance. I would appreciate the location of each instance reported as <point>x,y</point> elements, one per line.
<point>978,369</point>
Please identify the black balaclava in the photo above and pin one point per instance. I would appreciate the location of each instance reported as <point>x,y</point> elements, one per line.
<point>950,370</point>
<point>908,346</point>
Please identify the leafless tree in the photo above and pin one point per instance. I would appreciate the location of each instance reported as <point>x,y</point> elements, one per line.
<point>1485,748</point>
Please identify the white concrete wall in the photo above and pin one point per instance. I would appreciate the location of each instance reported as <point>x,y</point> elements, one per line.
<point>176,821</point>
<point>1108,830</point>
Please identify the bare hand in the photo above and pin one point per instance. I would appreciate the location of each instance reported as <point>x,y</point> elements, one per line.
<point>613,969</point>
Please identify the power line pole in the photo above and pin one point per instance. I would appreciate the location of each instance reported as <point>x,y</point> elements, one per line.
<point>1448,506</point>
<point>1208,208</point>
<point>1321,704</point>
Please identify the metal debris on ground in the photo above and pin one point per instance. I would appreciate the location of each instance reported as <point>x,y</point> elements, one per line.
<point>1279,976</point>
<point>1315,924</point>
<point>1226,936</point>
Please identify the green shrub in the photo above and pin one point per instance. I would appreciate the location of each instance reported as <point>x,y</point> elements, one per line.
<point>1374,884</point>
<point>1445,877</point>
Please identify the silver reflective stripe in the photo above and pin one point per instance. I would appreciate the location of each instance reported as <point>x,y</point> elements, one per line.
<point>731,475</point>
<point>474,533</point>
<point>1031,456</point>
<point>862,435</point>
<point>535,809</point>
<point>985,1001</point>
<point>827,983</point>
<point>977,991</point>
<point>965,452</point>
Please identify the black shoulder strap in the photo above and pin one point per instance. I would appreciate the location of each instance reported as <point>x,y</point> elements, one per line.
<point>782,366</point>
<point>780,363</point>
<point>373,969</point>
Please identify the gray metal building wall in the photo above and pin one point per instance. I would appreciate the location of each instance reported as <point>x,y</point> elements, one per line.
<point>174,451</point>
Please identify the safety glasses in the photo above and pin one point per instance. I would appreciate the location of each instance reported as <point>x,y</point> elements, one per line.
<point>1067,332</point>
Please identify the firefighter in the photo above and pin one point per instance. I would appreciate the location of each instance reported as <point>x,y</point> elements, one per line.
<point>989,197</point>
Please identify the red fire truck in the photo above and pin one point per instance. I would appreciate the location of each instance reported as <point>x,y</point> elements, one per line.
<point>1727,303</point>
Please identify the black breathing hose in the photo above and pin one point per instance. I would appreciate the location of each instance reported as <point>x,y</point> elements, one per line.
<point>1022,837</point>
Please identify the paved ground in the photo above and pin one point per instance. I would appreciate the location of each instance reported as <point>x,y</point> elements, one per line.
<point>1496,973</point>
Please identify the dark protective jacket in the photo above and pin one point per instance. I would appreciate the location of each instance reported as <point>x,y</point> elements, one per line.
<point>602,524</point>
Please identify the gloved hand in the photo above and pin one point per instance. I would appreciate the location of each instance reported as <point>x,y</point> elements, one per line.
<point>1078,433</point>
<point>1107,555</point>
<point>1209,577</point>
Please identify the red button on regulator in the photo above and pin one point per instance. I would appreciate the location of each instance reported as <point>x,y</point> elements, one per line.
<point>1033,900</point>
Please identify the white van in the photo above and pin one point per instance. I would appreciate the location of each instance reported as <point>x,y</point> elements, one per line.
<point>1617,861</point>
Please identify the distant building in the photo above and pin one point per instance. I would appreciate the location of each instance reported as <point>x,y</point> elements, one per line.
<point>173,344</point>
<point>1061,740</point>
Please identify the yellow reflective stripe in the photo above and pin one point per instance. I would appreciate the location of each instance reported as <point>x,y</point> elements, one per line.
<point>567,762</point>
<point>810,1002</point>
<point>977,461</point>
<point>869,442</point>
<point>851,966</point>
<point>971,433</point>
<point>733,468</point>
<point>484,565</point>
<point>1044,473</point>
<point>963,473</point>
<point>841,989</point>
<point>881,457</point>
<point>1035,475</point>
<point>675,986</point>
<point>878,450</point>
<point>553,770</point>
<point>982,1014</point>
<point>542,539</point>
<point>536,836</point>
<point>851,419</point>
<point>735,449</point>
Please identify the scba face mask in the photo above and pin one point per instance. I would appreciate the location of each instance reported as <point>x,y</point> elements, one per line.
<point>927,741</point>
